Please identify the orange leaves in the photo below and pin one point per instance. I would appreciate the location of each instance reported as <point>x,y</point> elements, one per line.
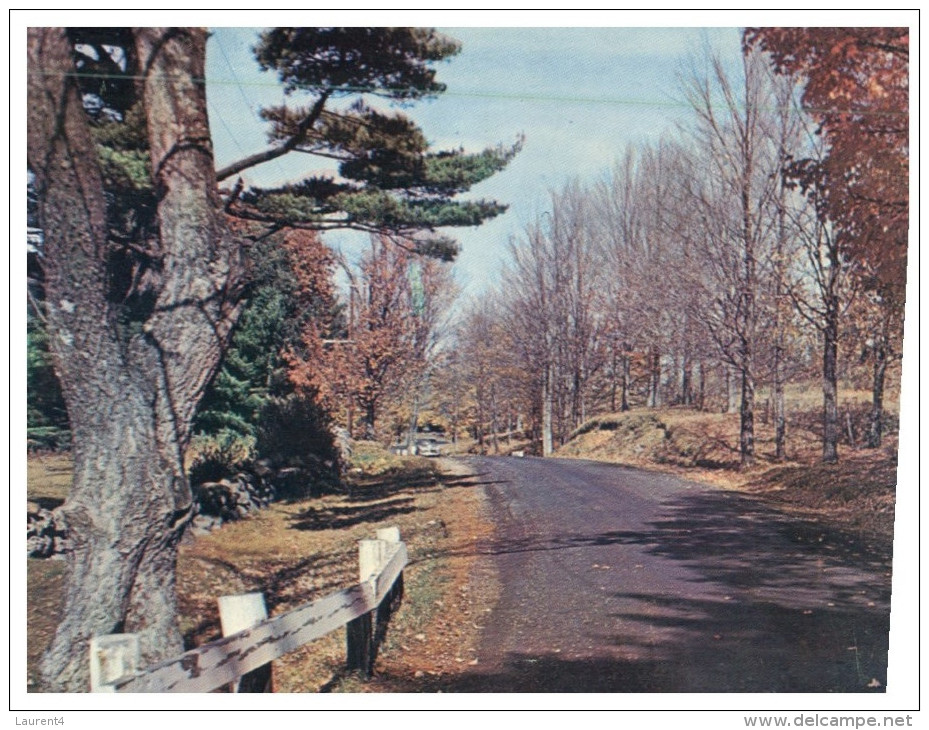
<point>311,262</point>
<point>386,339</point>
<point>857,87</point>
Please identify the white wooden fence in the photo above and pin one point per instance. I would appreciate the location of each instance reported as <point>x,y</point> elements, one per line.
<point>251,641</point>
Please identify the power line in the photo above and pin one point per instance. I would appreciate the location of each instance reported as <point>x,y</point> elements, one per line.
<point>502,95</point>
<point>222,121</point>
<point>248,103</point>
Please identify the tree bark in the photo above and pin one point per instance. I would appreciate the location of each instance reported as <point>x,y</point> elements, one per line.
<point>878,375</point>
<point>830,329</point>
<point>547,407</point>
<point>687,380</point>
<point>613,364</point>
<point>747,419</point>
<point>780,414</point>
<point>654,388</point>
<point>701,397</point>
<point>830,388</point>
<point>748,312</point>
<point>494,436</point>
<point>624,393</point>
<point>370,420</point>
<point>131,395</point>
<point>876,428</point>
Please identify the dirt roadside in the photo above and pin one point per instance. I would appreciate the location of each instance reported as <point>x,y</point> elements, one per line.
<point>434,636</point>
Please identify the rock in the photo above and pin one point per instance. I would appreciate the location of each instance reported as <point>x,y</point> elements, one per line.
<point>263,469</point>
<point>39,546</point>
<point>204,524</point>
<point>45,536</point>
<point>234,498</point>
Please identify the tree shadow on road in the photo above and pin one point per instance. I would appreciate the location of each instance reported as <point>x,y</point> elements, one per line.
<point>774,604</point>
<point>741,542</point>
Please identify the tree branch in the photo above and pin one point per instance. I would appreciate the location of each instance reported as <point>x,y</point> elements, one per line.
<point>281,150</point>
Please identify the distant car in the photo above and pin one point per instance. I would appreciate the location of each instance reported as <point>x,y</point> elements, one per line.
<point>428,447</point>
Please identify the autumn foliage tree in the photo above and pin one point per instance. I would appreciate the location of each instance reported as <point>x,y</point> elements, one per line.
<point>289,284</point>
<point>856,85</point>
<point>395,301</point>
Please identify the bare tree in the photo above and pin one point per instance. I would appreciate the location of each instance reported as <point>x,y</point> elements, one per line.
<point>821,294</point>
<point>531,284</point>
<point>736,156</point>
<point>616,221</point>
<point>786,129</point>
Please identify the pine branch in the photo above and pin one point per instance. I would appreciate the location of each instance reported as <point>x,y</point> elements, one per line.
<point>281,150</point>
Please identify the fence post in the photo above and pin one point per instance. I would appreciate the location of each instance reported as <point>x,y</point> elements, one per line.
<point>364,634</point>
<point>112,656</point>
<point>359,633</point>
<point>389,536</point>
<point>237,613</point>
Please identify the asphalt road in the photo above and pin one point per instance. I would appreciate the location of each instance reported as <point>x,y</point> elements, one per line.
<point>621,580</point>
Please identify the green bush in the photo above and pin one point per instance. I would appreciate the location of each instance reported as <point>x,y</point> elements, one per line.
<point>218,456</point>
<point>293,432</point>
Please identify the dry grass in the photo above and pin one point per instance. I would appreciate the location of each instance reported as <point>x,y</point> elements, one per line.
<point>48,478</point>
<point>294,553</point>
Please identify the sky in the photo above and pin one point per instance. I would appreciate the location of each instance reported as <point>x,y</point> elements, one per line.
<point>580,96</point>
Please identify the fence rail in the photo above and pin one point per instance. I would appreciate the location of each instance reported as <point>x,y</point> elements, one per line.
<point>362,608</point>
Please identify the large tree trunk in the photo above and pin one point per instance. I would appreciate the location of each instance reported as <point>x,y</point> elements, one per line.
<point>131,395</point>
<point>126,511</point>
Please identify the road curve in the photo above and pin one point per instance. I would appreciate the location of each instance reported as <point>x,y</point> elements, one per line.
<point>621,580</point>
